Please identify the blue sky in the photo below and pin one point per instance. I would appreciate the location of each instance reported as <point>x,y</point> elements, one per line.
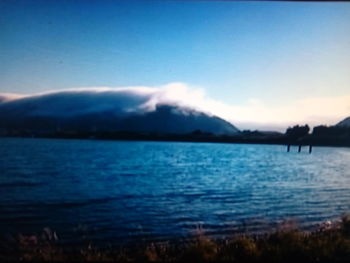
<point>241,54</point>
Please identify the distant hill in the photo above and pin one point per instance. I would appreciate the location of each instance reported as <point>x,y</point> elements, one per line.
<point>344,123</point>
<point>103,111</point>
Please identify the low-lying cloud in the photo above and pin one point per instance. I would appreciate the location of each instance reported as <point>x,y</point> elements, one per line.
<point>254,114</point>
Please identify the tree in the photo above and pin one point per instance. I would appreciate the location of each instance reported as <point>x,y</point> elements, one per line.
<point>298,131</point>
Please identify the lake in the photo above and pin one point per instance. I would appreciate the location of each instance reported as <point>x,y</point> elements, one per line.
<point>127,191</point>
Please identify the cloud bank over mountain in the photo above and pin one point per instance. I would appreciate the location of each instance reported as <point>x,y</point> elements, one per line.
<point>135,109</point>
<point>125,101</point>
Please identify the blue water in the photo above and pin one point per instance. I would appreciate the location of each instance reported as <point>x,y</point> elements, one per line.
<point>132,191</point>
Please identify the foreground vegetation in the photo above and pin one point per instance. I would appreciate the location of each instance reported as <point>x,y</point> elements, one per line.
<point>329,243</point>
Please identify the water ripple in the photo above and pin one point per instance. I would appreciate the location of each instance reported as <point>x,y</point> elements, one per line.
<point>133,190</point>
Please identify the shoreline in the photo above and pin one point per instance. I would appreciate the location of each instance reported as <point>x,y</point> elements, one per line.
<point>280,140</point>
<point>330,241</point>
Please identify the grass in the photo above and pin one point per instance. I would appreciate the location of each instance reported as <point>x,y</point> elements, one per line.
<point>329,243</point>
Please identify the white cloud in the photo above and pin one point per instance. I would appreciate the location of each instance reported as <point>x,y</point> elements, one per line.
<point>254,114</point>
<point>10,96</point>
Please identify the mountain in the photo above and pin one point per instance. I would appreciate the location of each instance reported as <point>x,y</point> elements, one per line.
<point>344,123</point>
<point>104,111</point>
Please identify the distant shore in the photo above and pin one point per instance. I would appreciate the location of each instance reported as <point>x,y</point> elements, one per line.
<point>246,138</point>
<point>330,242</point>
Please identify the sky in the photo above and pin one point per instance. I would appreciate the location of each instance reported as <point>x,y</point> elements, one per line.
<point>260,65</point>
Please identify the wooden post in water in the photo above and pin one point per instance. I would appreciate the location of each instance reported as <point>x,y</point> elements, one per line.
<point>299,149</point>
<point>288,148</point>
<point>310,148</point>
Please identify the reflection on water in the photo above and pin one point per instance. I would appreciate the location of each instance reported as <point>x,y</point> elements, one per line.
<point>119,190</point>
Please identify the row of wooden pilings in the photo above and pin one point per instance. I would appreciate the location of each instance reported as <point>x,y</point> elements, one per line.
<point>299,148</point>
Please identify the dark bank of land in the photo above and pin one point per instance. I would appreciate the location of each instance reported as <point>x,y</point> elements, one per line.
<point>329,243</point>
<point>297,135</point>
